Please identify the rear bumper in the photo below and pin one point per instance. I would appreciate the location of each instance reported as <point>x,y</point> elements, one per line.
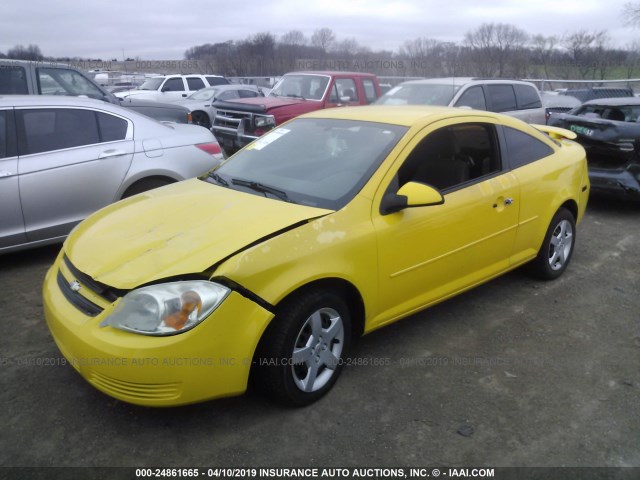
<point>619,182</point>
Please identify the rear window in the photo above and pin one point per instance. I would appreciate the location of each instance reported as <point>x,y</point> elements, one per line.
<point>523,148</point>
<point>13,80</point>
<point>527,97</point>
<point>111,128</point>
<point>369,90</point>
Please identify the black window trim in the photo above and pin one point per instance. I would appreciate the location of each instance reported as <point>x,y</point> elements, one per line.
<point>20,133</point>
<point>12,140</point>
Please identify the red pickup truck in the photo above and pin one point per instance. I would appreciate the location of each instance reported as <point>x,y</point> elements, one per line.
<point>238,123</point>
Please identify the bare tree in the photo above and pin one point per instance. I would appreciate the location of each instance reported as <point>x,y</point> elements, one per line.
<point>587,51</point>
<point>294,37</point>
<point>323,38</point>
<point>543,49</point>
<point>30,52</point>
<point>494,45</point>
<point>631,14</point>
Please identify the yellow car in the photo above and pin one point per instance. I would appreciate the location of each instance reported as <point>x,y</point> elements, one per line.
<point>332,225</point>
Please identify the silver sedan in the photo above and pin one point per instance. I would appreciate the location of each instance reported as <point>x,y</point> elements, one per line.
<point>199,103</point>
<point>62,158</point>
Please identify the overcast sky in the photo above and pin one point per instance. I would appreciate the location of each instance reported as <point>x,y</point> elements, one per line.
<point>158,29</point>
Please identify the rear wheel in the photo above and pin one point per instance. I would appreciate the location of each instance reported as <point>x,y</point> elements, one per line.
<point>557,247</point>
<point>302,352</point>
<point>144,185</point>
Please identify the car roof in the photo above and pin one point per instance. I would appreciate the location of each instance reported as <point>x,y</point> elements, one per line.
<point>460,81</point>
<point>44,101</point>
<point>405,115</point>
<point>614,101</point>
<point>331,73</point>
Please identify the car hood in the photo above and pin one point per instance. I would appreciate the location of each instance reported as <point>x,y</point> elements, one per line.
<point>258,104</point>
<point>183,228</point>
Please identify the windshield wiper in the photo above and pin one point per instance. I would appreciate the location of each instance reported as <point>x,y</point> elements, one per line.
<point>218,179</point>
<point>262,188</point>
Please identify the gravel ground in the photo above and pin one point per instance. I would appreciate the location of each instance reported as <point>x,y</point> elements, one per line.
<point>514,373</point>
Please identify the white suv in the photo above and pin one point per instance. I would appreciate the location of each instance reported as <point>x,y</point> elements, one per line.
<point>512,97</point>
<point>172,87</point>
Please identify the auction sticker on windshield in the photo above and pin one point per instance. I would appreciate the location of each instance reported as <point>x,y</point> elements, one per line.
<point>579,129</point>
<point>268,139</point>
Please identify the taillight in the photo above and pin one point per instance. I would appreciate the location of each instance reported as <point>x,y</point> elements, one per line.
<point>211,148</point>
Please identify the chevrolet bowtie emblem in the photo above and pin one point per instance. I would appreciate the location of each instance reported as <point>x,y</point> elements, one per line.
<point>74,286</point>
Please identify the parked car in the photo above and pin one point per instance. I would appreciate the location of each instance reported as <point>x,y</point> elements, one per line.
<point>554,104</point>
<point>22,77</point>
<point>62,158</point>
<point>593,93</point>
<point>331,226</point>
<point>172,87</point>
<point>238,123</point>
<point>609,130</point>
<point>200,102</point>
<point>511,97</point>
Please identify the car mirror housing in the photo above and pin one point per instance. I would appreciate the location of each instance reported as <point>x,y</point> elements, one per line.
<point>411,194</point>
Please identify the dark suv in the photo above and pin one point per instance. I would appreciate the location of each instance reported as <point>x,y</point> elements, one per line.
<point>22,77</point>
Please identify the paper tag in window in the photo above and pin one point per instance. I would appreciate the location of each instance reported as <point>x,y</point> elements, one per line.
<point>268,138</point>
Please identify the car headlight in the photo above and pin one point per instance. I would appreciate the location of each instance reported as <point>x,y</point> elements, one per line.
<point>168,308</point>
<point>265,122</point>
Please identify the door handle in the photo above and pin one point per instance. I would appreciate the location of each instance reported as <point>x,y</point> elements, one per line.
<point>111,153</point>
<point>508,201</point>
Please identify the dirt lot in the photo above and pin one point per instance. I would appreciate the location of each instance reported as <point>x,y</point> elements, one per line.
<point>546,374</point>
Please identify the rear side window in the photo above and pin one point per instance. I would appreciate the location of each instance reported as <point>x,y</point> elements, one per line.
<point>47,129</point>
<point>217,81</point>
<point>473,98</point>
<point>111,128</point>
<point>523,148</point>
<point>369,90</point>
<point>527,97</point>
<point>173,85</point>
<point>195,83</point>
<point>503,98</point>
<point>247,93</point>
<point>13,80</point>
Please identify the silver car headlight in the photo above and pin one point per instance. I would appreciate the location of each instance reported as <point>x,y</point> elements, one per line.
<point>168,308</point>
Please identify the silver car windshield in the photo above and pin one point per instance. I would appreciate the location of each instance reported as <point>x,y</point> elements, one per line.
<point>419,94</point>
<point>308,87</point>
<point>204,94</point>
<point>316,162</point>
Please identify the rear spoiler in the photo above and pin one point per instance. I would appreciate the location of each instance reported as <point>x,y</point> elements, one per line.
<point>555,132</point>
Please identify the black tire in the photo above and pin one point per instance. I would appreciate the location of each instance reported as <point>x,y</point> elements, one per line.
<point>315,325</point>
<point>557,248</point>
<point>201,118</point>
<point>144,185</point>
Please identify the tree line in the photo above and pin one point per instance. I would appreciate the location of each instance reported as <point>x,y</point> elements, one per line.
<point>491,50</point>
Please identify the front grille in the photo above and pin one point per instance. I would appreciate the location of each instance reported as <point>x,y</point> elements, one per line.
<point>229,118</point>
<point>105,291</point>
<point>81,303</point>
<point>134,391</point>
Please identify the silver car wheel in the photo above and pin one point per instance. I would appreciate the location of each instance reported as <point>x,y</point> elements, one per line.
<point>560,244</point>
<point>317,350</point>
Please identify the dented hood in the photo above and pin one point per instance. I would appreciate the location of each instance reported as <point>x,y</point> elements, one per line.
<point>180,229</point>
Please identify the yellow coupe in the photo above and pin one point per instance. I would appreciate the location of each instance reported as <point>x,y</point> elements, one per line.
<point>330,226</point>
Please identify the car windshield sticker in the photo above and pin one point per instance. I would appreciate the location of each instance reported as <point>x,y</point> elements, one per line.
<point>267,139</point>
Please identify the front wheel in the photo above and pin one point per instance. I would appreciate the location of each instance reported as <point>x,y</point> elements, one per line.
<point>302,352</point>
<point>201,118</point>
<point>557,247</point>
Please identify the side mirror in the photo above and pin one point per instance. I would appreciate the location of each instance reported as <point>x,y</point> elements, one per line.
<point>410,195</point>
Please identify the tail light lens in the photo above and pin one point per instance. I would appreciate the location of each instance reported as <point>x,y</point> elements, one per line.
<point>212,149</point>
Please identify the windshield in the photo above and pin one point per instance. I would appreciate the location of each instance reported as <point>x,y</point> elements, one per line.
<point>308,87</point>
<point>419,94</point>
<point>151,84</point>
<point>204,94</point>
<point>316,162</point>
